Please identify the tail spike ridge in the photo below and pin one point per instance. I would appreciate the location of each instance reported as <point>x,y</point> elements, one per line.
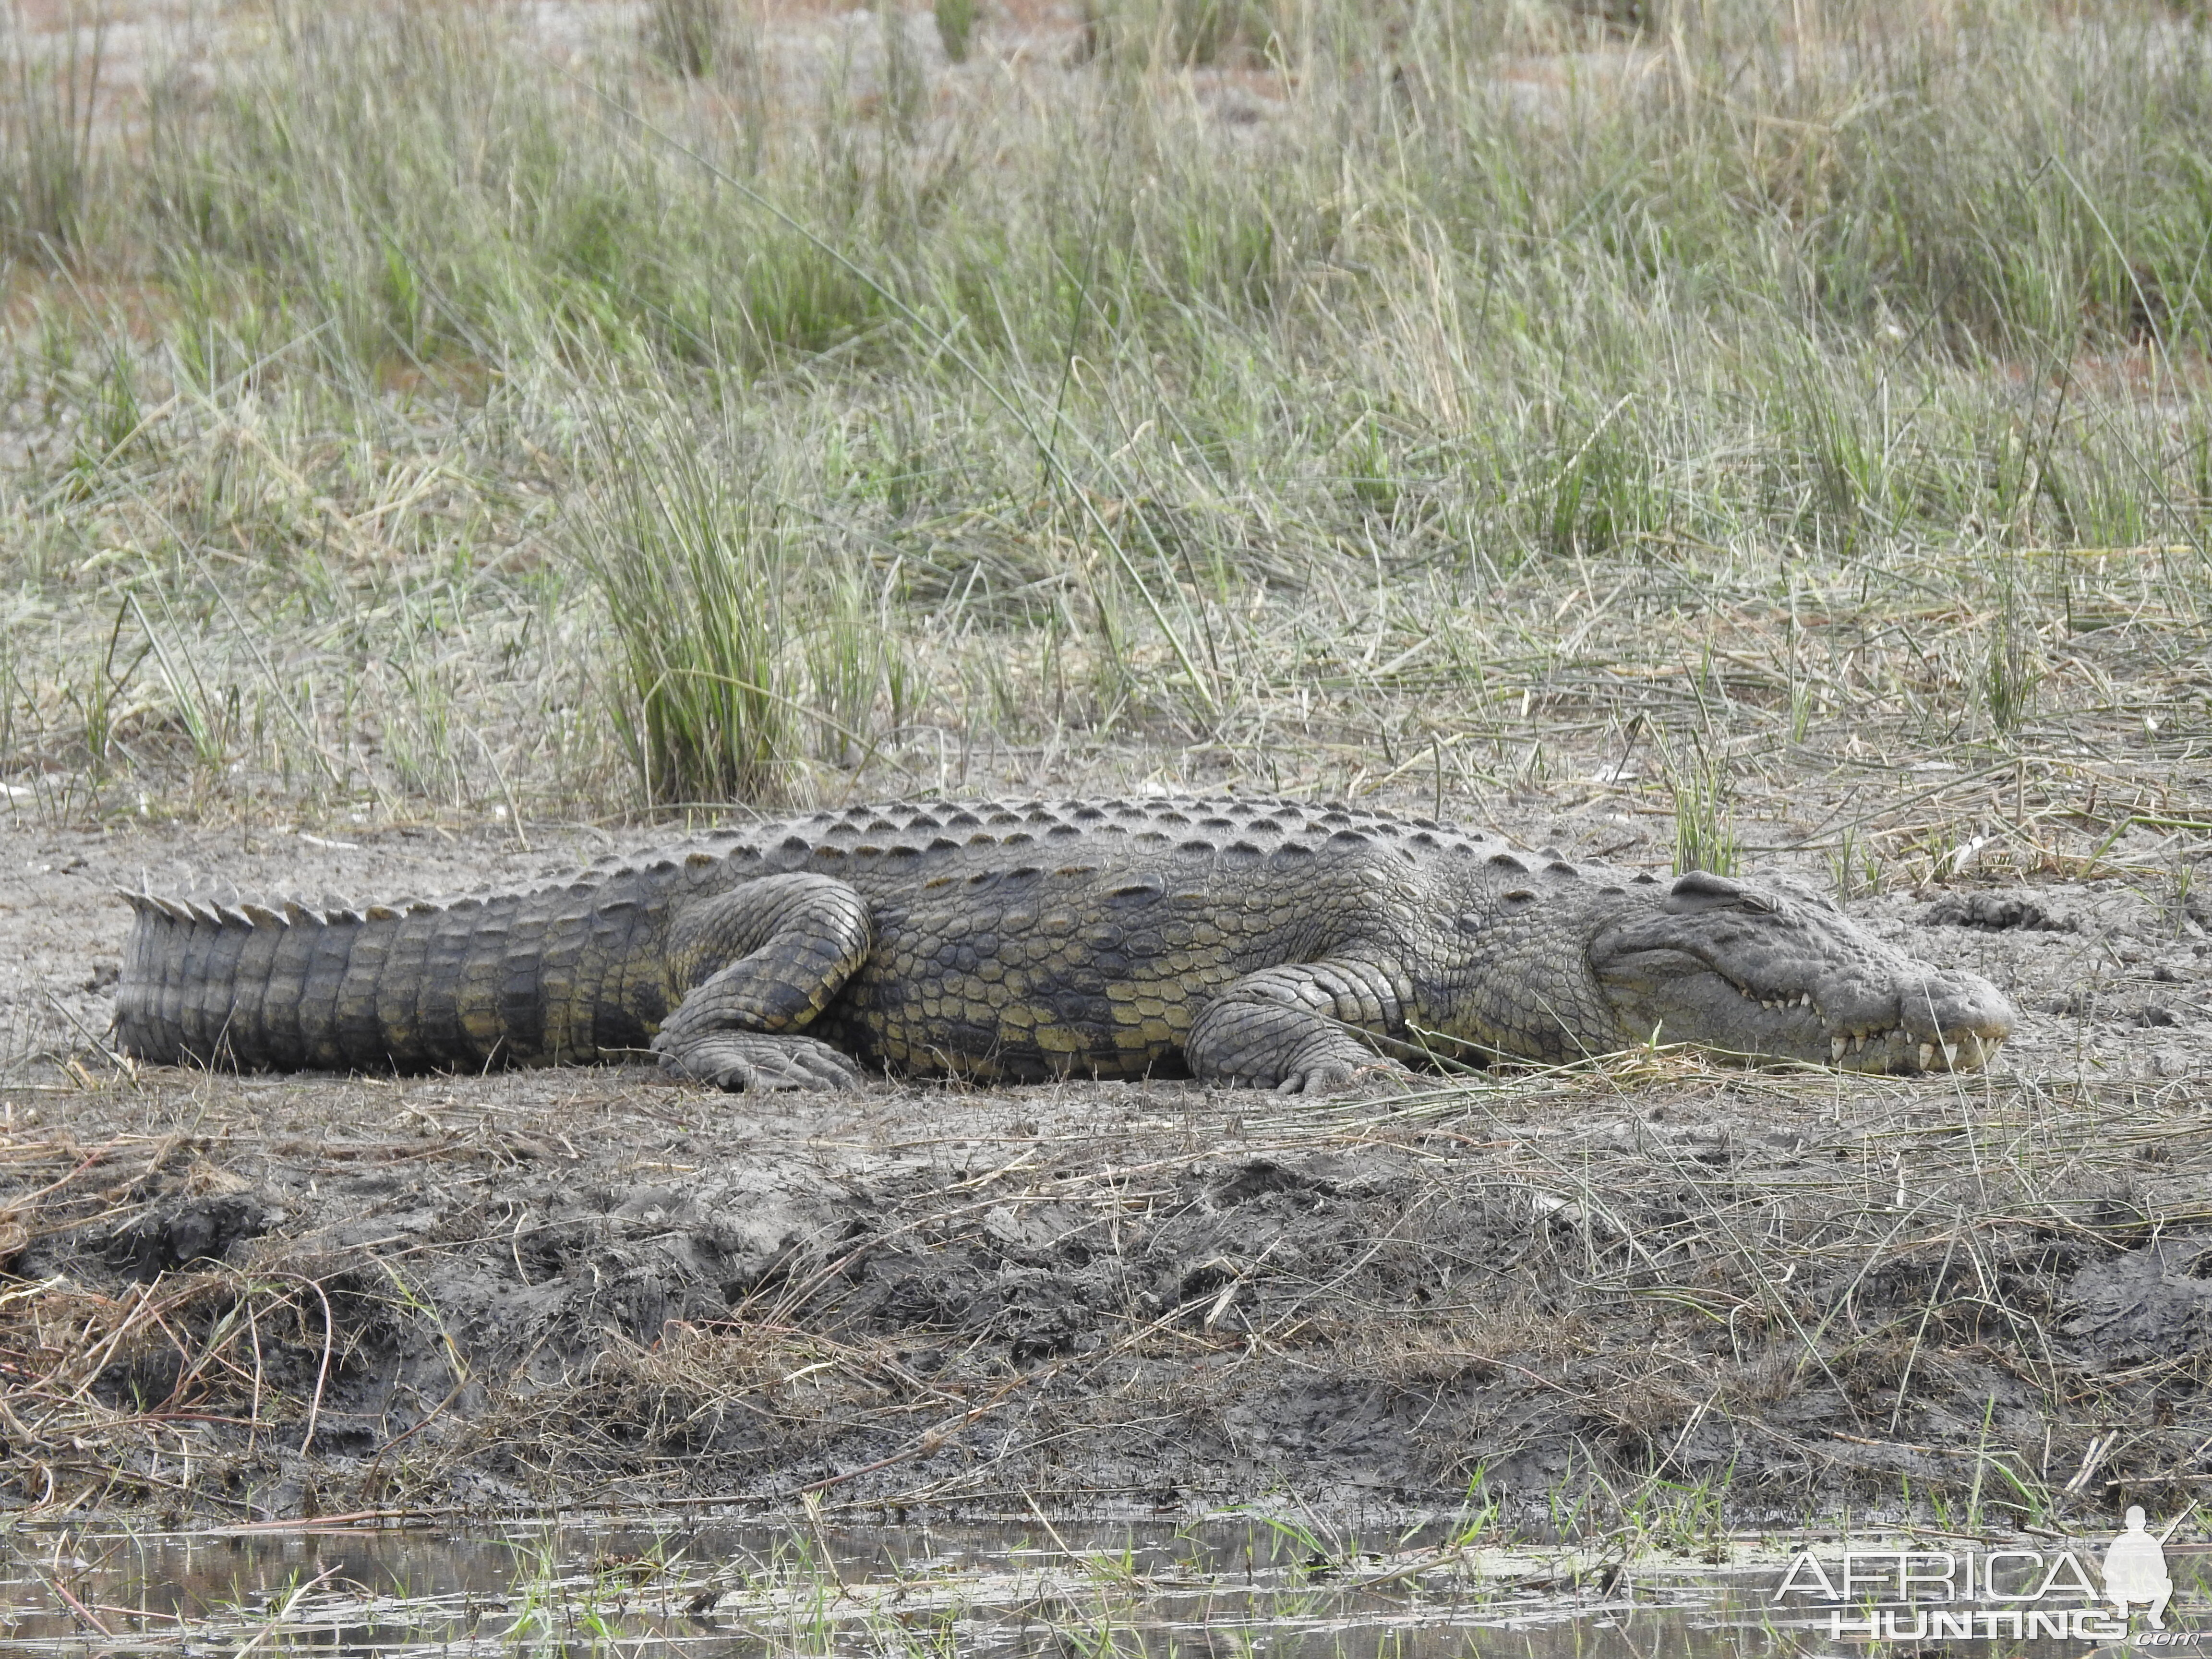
<point>301,981</point>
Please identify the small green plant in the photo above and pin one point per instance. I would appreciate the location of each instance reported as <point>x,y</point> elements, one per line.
<point>1211,31</point>
<point>1684,1517</point>
<point>2184,905</point>
<point>853,659</point>
<point>1603,494</point>
<point>1311,1544</point>
<point>96,698</point>
<point>210,716</point>
<point>1704,808</point>
<point>1178,33</point>
<point>1566,1503</point>
<point>1854,865</point>
<point>691,37</point>
<point>1801,704</point>
<point>2009,676</point>
<point>906,80</point>
<point>955,28</point>
<point>1478,1514</point>
<point>48,162</point>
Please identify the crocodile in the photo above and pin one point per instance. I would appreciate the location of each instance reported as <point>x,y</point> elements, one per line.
<point>1261,942</point>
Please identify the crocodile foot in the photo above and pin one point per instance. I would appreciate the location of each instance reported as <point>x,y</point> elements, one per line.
<point>1336,1064</point>
<point>742,1061</point>
<point>1374,1075</point>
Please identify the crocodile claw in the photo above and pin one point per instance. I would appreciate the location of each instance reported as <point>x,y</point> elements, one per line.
<point>1341,1076</point>
<point>750,1062</point>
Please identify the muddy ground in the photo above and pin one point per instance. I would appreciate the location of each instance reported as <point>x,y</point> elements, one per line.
<point>1663,1290</point>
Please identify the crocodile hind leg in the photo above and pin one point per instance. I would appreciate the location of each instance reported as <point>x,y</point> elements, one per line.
<point>1305,1028</point>
<point>761,962</point>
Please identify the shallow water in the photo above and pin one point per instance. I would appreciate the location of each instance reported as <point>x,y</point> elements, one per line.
<point>674,1588</point>
<point>640,1592</point>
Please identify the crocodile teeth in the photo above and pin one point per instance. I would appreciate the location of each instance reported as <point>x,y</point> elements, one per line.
<point>1951,1054</point>
<point>1804,998</point>
<point>1927,1056</point>
<point>1858,1041</point>
<point>1836,1046</point>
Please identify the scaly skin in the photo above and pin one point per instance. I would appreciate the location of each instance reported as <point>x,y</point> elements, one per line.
<point>1267,943</point>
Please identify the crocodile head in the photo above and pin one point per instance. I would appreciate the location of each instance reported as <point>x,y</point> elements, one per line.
<point>1770,969</point>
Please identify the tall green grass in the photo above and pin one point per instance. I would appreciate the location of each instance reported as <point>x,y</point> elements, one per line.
<point>693,573</point>
<point>48,160</point>
<point>1279,354</point>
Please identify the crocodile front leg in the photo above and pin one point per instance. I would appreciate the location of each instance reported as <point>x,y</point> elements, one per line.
<point>1305,1028</point>
<point>761,962</point>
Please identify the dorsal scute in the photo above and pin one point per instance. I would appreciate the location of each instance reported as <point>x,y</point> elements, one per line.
<point>1194,824</point>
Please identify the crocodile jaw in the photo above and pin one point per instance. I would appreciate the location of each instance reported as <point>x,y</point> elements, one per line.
<point>1769,971</point>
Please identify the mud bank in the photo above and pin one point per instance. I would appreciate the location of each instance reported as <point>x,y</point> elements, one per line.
<point>1655,1288</point>
<point>258,1297</point>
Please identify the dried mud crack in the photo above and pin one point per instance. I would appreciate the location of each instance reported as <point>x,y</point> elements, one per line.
<point>267,1297</point>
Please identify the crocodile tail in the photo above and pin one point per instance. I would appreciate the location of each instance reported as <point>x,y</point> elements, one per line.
<point>477,982</point>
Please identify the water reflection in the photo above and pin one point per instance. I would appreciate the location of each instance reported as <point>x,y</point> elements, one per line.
<point>712,1590</point>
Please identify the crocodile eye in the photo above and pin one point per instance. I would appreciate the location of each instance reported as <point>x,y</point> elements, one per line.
<point>1698,891</point>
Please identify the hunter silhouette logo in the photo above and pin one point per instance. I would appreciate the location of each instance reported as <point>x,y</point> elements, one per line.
<point>2022,1594</point>
<point>2134,1571</point>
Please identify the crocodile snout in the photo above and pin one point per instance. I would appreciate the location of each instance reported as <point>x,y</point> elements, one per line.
<point>1767,971</point>
<point>1924,1019</point>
